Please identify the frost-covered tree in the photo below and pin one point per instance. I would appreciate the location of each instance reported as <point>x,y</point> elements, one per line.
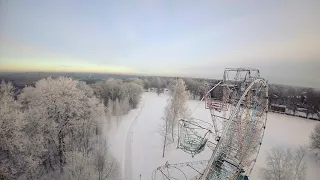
<point>98,164</point>
<point>175,109</point>
<point>112,89</point>
<point>12,161</point>
<point>158,91</point>
<point>195,87</point>
<point>106,166</point>
<point>138,81</point>
<point>117,111</point>
<point>285,164</point>
<point>179,104</point>
<point>62,116</point>
<point>165,128</point>
<point>55,125</point>
<point>110,109</point>
<point>125,106</point>
<point>8,119</point>
<point>109,89</point>
<point>315,138</point>
<point>133,92</point>
<point>158,85</point>
<point>79,166</point>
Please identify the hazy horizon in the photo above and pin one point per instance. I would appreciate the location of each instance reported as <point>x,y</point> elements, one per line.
<point>181,38</point>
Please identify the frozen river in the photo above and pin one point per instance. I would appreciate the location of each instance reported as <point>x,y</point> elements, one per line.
<point>137,144</point>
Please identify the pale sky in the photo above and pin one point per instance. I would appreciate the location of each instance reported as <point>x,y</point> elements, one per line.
<point>164,37</point>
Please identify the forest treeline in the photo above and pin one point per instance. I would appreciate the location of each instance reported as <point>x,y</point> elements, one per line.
<point>295,100</point>
<point>119,94</point>
<point>291,100</point>
<point>56,128</point>
<point>285,99</point>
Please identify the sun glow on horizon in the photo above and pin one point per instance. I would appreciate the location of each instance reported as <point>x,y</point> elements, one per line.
<point>34,65</point>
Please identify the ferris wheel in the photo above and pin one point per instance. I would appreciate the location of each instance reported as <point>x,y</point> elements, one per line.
<point>238,107</point>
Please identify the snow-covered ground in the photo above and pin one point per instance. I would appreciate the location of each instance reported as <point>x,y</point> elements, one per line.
<point>137,144</point>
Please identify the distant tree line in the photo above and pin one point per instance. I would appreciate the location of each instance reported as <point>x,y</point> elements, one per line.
<point>195,86</point>
<point>119,96</point>
<point>118,91</point>
<point>292,100</point>
<point>286,99</point>
<point>295,99</point>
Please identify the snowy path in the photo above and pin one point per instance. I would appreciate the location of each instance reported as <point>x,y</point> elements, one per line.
<point>137,145</point>
<point>127,158</point>
<point>147,142</point>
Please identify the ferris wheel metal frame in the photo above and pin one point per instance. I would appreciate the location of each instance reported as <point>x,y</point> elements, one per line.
<point>239,115</point>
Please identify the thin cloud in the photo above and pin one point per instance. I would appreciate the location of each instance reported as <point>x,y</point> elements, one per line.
<point>71,66</point>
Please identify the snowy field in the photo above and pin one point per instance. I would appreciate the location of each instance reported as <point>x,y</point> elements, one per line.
<point>137,144</point>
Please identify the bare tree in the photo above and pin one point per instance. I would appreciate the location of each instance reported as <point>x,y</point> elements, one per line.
<point>315,138</point>
<point>117,111</point>
<point>98,164</point>
<point>109,111</point>
<point>105,164</point>
<point>164,131</point>
<point>285,164</point>
<point>158,91</point>
<point>124,105</point>
<point>79,166</point>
